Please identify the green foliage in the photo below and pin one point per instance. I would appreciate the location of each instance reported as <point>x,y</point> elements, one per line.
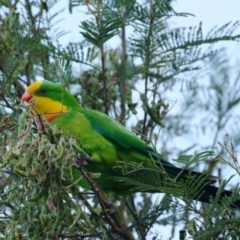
<point>36,189</point>
<point>130,81</point>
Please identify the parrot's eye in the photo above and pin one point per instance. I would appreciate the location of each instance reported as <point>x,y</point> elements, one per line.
<point>43,91</point>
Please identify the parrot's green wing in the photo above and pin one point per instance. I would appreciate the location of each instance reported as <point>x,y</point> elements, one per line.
<point>114,131</point>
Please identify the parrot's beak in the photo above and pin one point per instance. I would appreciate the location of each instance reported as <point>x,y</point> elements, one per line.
<point>26,98</point>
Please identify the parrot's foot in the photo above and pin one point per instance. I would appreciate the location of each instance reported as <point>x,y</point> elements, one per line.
<point>83,159</point>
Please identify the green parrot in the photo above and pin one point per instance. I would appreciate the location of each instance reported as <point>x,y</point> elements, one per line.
<point>108,143</point>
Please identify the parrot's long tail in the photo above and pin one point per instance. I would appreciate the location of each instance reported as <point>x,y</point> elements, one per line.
<point>182,183</point>
<point>204,182</point>
<point>211,192</point>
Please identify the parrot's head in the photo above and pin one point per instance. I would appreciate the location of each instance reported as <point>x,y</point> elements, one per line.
<point>48,99</point>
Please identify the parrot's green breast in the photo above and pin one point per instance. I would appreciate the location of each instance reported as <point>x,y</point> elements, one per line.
<point>95,145</point>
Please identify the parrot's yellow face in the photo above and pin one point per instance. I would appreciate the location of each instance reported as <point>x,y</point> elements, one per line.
<point>40,100</point>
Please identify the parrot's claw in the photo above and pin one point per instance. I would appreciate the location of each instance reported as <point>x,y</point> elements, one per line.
<point>83,159</point>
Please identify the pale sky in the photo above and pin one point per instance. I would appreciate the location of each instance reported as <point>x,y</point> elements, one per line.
<point>210,12</point>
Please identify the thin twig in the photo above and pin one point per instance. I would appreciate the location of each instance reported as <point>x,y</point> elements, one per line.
<point>113,222</point>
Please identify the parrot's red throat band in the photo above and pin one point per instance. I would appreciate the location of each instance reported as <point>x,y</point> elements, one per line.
<point>50,119</point>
